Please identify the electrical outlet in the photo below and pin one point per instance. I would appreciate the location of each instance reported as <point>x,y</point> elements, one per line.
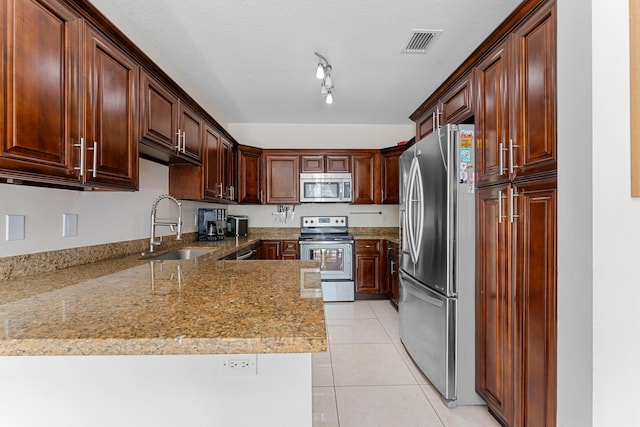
<point>240,364</point>
<point>14,227</point>
<point>69,225</point>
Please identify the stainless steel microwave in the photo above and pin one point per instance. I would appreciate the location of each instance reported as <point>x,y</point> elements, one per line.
<point>326,187</point>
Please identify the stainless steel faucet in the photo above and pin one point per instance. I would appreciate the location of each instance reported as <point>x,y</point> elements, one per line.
<point>173,224</point>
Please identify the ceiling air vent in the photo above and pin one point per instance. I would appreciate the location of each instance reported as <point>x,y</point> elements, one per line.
<point>421,40</point>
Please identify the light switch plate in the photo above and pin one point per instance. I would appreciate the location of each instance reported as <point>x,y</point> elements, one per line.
<point>14,227</point>
<point>69,225</point>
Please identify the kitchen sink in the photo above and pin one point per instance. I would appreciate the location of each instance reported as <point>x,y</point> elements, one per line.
<point>180,254</point>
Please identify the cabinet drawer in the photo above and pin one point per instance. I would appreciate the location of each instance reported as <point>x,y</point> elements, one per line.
<point>290,246</point>
<point>367,246</point>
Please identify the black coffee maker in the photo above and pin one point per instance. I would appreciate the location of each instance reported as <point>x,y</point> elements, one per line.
<point>211,224</point>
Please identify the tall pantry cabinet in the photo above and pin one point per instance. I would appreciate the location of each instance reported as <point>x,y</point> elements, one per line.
<point>516,223</point>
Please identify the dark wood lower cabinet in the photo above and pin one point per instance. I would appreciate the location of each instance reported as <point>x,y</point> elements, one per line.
<point>494,333</point>
<point>271,249</point>
<point>369,264</point>
<point>516,302</point>
<point>290,249</point>
<point>392,276</point>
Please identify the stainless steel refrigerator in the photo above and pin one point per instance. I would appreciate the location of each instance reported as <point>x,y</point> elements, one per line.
<point>437,260</point>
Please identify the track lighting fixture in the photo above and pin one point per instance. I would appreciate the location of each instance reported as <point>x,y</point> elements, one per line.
<point>323,72</point>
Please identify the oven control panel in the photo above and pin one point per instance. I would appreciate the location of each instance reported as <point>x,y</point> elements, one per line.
<point>324,221</point>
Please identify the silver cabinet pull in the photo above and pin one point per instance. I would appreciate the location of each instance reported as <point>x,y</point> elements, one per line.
<point>503,169</point>
<point>82,157</point>
<point>512,205</point>
<point>94,170</point>
<point>184,141</point>
<point>179,135</point>
<point>393,265</point>
<point>501,197</point>
<point>512,166</point>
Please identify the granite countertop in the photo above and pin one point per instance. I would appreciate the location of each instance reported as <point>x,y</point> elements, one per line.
<point>140,306</point>
<point>137,305</point>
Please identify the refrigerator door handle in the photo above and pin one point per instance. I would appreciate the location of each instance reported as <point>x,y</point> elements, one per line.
<point>444,161</point>
<point>415,222</point>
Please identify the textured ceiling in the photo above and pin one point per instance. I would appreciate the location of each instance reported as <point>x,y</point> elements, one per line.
<point>254,60</point>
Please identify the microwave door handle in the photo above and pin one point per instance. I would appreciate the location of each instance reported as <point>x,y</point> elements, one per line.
<point>340,190</point>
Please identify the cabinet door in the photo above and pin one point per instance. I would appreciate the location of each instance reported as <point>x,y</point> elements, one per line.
<point>391,175</point>
<point>534,101</point>
<point>366,187</point>
<point>111,104</point>
<point>250,176</point>
<point>212,163</point>
<point>312,163</point>
<point>491,119</point>
<point>368,266</point>
<point>368,273</point>
<point>427,123</point>
<point>158,115</point>
<point>494,375</point>
<point>534,265</point>
<point>228,169</point>
<point>271,249</point>
<point>338,163</point>
<point>456,103</point>
<point>393,283</point>
<point>283,179</point>
<point>37,107</point>
<point>191,128</point>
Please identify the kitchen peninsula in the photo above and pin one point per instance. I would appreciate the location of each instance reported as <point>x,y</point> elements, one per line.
<point>133,341</point>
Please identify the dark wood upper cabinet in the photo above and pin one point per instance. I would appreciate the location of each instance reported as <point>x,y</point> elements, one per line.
<point>492,117</point>
<point>190,128</point>
<point>427,123</point>
<point>338,163</point>
<point>533,117</point>
<point>158,118</point>
<point>249,175</point>
<point>325,163</point>
<point>111,104</point>
<point>314,163</point>
<point>214,180</point>
<point>282,178</point>
<point>228,169</point>
<point>76,124</point>
<point>390,158</point>
<point>212,175</point>
<point>38,111</point>
<point>366,177</point>
<point>456,105</point>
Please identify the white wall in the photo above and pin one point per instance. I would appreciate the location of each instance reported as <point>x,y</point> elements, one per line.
<point>103,217</point>
<point>575,217</point>
<point>288,135</point>
<point>599,223</point>
<point>359,215</point>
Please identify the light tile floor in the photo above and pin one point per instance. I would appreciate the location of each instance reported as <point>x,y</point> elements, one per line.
<point>366,378</point>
